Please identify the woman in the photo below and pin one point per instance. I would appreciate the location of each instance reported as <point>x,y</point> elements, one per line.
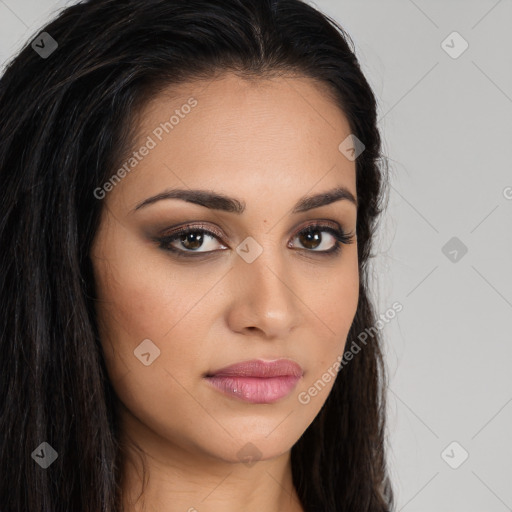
<point>190,194</point>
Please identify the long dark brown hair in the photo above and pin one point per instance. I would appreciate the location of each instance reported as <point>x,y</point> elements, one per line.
<point>66,120</point>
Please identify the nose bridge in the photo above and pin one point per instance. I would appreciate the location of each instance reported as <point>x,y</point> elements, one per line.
<point>269,274</point>
<point>265,297</point>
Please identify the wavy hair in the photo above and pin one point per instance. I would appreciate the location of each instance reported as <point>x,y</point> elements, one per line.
<point>67,121</point>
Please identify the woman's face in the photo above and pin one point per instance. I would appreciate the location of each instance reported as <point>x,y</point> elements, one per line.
<point>254,284</point>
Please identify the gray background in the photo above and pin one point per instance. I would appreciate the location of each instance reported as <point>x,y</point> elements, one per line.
<point>446,125</point>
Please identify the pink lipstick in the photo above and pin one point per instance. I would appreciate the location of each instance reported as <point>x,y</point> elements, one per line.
<point>257,381</point>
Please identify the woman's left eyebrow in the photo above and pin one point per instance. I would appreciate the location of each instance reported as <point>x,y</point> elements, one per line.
<point>216,201</point>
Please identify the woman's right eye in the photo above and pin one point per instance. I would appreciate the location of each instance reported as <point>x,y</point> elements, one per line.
<point>191,241</point>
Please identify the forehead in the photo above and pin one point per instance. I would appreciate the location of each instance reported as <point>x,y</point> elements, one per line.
<point>230,108</point>
<point>268,134</point>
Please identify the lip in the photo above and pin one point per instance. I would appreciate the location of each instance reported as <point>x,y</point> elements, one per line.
<point>257,381</point>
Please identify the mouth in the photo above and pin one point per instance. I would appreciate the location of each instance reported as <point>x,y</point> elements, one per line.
<point>257,381</point>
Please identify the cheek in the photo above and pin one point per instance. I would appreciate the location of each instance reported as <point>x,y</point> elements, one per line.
<point>146,301</point>
<point>139,296</point>
<point>144,298</point>
<point>334,306</point>
<point>334,303</point>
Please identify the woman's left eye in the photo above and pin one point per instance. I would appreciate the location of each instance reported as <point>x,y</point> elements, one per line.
<point>190,240</point>
<point>312,239</point>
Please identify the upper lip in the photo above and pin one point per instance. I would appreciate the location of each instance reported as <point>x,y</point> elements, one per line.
<point>260,368</point>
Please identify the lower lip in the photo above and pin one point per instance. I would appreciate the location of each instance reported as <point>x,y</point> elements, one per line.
<point>255,390</point>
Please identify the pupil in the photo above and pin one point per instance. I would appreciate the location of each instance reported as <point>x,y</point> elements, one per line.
<point>311,239</point>
<point>192,240</point>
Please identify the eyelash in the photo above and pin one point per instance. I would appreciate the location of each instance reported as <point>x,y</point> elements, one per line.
<point>340,236</point>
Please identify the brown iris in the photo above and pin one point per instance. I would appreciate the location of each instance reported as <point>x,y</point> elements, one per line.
<point>310,239</point>
<point>192,240</point>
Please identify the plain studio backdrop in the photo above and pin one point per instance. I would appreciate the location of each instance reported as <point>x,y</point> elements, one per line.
<point>442,74</point>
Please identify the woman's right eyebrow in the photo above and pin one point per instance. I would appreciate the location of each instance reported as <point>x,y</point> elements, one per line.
<point>217,201</point>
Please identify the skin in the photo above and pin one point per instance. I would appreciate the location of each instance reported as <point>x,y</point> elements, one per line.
<point>267,143</point>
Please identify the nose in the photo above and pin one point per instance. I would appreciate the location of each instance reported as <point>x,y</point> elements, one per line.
<point>266,299</point>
